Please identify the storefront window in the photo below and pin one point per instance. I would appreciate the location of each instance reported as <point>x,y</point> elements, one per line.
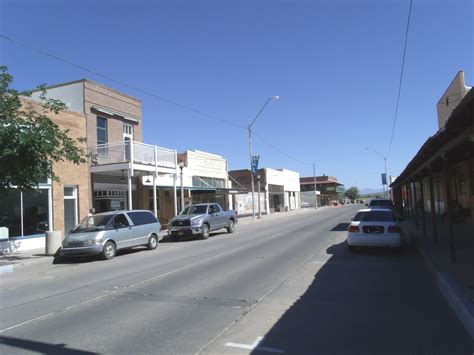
<point>150,200</point>
<point>35,212</point>
<point>10,212</point>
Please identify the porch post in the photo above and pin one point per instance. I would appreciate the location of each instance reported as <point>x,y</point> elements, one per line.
<point>422,206</point>
<point>155,176</point>
<point>432,207</point>
<point>175,195</point>
<point>449,211</point>
<point>155,206</point>
<point>129,175</point>
<point>415,204</point>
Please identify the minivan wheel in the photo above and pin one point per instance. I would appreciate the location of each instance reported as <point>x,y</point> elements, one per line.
<point>205,231</point>
<point>152,242</point>
<point>109,251</point>
<point>231,227</point>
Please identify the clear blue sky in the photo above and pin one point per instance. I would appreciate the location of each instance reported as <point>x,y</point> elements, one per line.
<point>335,65</point>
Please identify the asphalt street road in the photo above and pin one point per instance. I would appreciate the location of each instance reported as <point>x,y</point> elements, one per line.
<point>282,285</point>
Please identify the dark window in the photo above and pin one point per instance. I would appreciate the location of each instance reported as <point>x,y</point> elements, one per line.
<point>120,219</point>
<point>217,209</point>
<point>384,203</point>
<point>35,212</point>
<point>150,200</point>
<point>101,130</point>
<point>10,212</point>
<point>139,218</point>
<point>374,216</point>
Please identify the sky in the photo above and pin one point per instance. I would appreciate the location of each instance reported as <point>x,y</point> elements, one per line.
<point>335,65</point>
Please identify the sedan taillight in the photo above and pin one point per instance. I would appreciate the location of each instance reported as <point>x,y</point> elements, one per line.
<point>394,229</point>
<point>353,229</point>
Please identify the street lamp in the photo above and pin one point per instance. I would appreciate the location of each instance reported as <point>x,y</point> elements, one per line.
<point>250,148</point>
<point>181,166</point>
<point>385,164</point>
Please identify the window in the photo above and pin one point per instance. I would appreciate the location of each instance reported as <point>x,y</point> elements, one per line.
<point>101,130</point>
<point>374,216</point>
<point>25,213</point>
<point>121,221</point>
<point>150,200</point>
<point>139,218</point>
<point>127,129</point>
<point>217,209</point>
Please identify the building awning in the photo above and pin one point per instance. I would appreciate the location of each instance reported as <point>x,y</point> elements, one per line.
<point>111,112</point>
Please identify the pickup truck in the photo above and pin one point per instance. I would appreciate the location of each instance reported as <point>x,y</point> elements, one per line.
<point>201,219</point>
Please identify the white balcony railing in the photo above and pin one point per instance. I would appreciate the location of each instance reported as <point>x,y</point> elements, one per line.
<point>121,152</point>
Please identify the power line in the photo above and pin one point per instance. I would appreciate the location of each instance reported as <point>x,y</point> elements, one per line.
<point>96,73</point>
<point>280,151</point>
<point>401,79</point>
<point>161,98</point>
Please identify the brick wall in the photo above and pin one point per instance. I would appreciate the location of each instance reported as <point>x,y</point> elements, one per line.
<point>98,95</point>
<point>68,173</point>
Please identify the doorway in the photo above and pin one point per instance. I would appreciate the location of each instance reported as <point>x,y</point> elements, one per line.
<point>70,208</point>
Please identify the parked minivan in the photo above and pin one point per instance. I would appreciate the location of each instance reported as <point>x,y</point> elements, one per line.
<point>105,233</point>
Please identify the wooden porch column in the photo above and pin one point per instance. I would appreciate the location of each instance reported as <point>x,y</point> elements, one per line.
<point>432,208</point>
<point>449,211</point>
<point>422,207</point>
<point>415,207</point>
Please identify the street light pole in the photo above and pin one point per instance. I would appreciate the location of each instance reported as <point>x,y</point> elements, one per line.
<point>250,150</point>
<point>385,166</point>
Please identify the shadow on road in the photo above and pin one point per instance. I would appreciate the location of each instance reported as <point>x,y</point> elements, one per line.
<point>341,227</point>
<point>59,259</point>
<point>188,238</point>
<point>369,302</point>
<point>43,348</point>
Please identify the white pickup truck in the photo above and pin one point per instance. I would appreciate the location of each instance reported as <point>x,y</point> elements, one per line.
<point>201,219</point>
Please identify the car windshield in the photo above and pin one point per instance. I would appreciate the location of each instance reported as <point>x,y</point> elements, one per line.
<point>200,209</point>
<point>385,203</point>
<point>93,223</point>
<point>374,216</point>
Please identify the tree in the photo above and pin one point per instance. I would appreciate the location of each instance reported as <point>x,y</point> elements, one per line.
<point>30,142</point>
<point>352,193</point>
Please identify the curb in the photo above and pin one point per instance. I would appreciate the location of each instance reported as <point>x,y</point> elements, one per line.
<point>450,289</point>
<point>458,301</point>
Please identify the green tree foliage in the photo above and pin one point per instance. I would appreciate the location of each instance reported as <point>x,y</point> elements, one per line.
<point>352,193</point>
<point>30,142</point>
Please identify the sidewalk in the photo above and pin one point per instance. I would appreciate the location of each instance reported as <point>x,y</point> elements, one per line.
<point>10,262</point>
<point>454,279</point>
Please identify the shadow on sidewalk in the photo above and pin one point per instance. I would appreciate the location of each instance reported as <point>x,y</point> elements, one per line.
<point>370,302</point>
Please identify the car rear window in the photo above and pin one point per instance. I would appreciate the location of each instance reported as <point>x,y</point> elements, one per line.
<point>387,203</point>
<point>374,216</point>
<point>139,218</point>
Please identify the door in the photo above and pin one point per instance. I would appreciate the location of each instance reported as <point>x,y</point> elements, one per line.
<point>127,139</point>
<point>122,231</point>
<point>70,208</point>
<point>220,219</point>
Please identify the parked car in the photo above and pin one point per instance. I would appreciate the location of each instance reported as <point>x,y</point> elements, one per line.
<point>304,205</point>
<point>201,219</point>
<point>105,233</point>
<point>380,203</point>
<point>374,227</point>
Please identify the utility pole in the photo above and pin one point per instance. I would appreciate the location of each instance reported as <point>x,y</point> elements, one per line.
<point>258,191</point>
<point>315,189</point>
<point>250,150</point>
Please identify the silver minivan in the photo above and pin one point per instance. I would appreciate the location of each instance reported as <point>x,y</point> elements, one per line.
<point>105,233</point>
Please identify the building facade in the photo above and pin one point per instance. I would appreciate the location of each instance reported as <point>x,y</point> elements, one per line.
<point>331,191</point>
<point>435,191</point>
<point>54,205</point>
<point>279,190</point>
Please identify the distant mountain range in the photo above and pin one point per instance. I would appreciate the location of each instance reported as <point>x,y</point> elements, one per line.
<point>368,191</point>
